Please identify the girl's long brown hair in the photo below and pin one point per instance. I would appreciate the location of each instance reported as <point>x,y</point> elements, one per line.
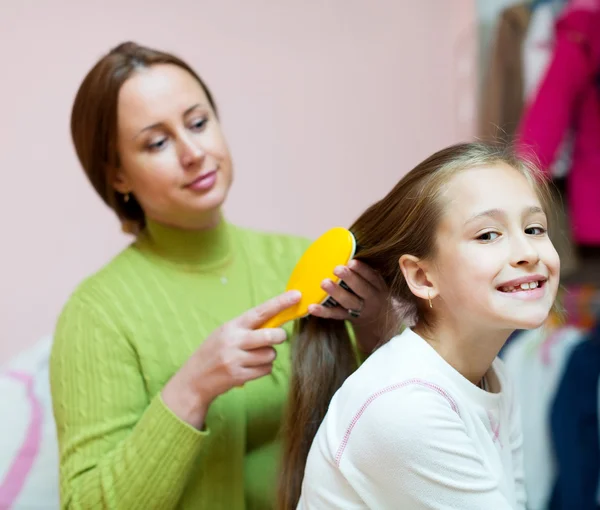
<point>403,222</point>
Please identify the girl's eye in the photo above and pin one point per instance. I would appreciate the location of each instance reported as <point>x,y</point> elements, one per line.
<point>535,231</point>
<point>488,236</point>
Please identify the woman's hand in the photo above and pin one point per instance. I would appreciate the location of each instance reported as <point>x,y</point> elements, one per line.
<point>367,304</point>
<point>232,355</point>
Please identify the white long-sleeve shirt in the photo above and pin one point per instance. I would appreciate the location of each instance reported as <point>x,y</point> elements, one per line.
<point>408,431</point>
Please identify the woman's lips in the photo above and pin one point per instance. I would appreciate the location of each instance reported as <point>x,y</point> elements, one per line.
<point>204,182</point>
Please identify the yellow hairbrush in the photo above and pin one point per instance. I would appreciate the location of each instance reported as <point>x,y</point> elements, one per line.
<point>336,247</point>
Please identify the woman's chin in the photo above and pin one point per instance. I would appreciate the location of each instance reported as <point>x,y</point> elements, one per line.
<point>211,201</point>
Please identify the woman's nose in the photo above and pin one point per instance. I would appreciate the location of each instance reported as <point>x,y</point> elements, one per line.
<point>191,153</point>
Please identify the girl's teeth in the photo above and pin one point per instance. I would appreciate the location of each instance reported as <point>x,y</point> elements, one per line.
<point>523,286</point>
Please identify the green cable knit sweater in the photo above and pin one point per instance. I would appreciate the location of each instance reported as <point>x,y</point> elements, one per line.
<point>124,332</point>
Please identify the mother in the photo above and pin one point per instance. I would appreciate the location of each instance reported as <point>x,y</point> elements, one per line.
<point>166,393</point>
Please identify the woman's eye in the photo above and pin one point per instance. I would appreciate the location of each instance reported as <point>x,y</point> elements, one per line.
<point>488,236</point>
<point>199,124</point>
<point>157,145</point>
<point>535,231</point>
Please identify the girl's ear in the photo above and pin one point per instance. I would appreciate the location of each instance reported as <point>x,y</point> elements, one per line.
<point>418,277</point>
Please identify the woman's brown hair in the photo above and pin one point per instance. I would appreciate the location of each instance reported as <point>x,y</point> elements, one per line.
<point>94,121</point>
<point>403,222</point>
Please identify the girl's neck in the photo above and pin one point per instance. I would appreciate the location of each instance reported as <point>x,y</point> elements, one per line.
<point>471,353</point>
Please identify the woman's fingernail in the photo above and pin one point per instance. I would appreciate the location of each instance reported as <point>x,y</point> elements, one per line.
<point>294,294</point>
<point>339,271</point>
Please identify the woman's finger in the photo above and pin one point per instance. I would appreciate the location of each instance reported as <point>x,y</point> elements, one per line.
<point>343,297</point>
<point>355,282</point>
<point>251,373</point>
<point>367,273</point>
<point>257,338</point>
<point>257,316</point>
<point>324,312</point>
<point>259,357</point>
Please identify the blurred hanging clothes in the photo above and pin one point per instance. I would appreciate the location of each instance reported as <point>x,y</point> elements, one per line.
<point>501,103</point>
<point>519,54</point>
<point>535,362</point>
<point>574,425</point>
<point>537,53</point>
<point>569,97</point>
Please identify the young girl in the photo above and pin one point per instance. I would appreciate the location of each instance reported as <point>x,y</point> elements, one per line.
<point>429,420</point>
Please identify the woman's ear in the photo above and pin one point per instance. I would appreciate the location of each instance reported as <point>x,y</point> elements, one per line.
<point>119,180</point>
<point>417,277</point>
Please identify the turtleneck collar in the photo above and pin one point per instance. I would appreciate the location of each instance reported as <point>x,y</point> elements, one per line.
<point>195,249</point>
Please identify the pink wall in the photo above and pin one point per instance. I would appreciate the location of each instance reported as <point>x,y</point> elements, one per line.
<point>325,103</point>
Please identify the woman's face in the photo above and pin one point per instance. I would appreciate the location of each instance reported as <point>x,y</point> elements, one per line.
<point>173,156</point>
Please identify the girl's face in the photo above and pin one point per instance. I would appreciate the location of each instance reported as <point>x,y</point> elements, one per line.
<point>495,266</point>
<point>173,155</point>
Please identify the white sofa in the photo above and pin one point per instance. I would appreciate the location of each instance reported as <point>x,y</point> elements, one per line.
<point>28,446</point>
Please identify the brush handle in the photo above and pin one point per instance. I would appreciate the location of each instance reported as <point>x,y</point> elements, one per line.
<point>274,322</point>
<point>287,315</point>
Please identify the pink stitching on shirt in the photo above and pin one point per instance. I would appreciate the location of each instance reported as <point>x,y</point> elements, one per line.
<point>495,429</point>
<point>371,399</point>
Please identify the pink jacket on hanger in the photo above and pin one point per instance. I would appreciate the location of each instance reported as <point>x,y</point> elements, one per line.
<point>569,97</point>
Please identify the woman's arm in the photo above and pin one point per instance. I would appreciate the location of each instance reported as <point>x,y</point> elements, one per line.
<point>119,449</point>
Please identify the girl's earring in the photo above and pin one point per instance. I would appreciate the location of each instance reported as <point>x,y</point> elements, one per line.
<point>126,197</point>
<point>429,297</point>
